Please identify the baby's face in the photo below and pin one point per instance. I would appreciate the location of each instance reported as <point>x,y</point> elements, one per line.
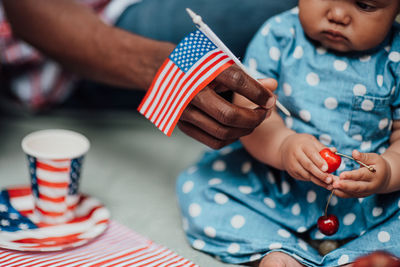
<point>348,25</point>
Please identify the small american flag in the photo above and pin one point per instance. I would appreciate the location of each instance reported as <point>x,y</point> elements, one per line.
<point>193,64</point>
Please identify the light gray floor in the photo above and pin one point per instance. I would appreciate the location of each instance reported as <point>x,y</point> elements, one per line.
<point>131,167</point>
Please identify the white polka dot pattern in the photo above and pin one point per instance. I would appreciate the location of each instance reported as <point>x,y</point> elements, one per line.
<point>383,236</point>
<point>303,245</point>
<point>219,165</point>
<point>379,80</point>
<point>312,79</point>
<point>349,219</point>
<point>285,187</point>
<point>274,53</point>
<point>187,187</point>
<point>269,202</point>
<point>383,123</point>
<point>289,122</point>
<point>220,198</point>
<point>275,246</point>
<point>340,65</point>
<point>298,52</point>
<point>301,229</point>
<point>238,221</point>
<point>284,233</point>
<point>377,211</point>
<point>214,181</point>
<point>253,64</point>
<point>359,90</point>
<point>199,244</point>
<point>311,196</point>
<point>246,167</point>
<point>194,210</point>
<point>287,89</point>
<point>346,126</point>
<point>331,103</point>
<point>245,189</point>
<point>255,257</point>
<point>367,105</point>
<point>325,139</point>
<point>343,259</point>
<point>233,248</point>
<point>210,231</point>
<point>266,29</point>
<point>394,56</point>
<point>305,115</point>
<point>296,209</point>
<point>321,50</point>
<point>365,58</point>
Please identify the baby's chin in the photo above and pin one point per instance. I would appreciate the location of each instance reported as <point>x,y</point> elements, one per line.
<point>346,47</point>
<point>338,47</point>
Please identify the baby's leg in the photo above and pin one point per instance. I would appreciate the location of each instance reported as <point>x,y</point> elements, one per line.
<point>279,259</point>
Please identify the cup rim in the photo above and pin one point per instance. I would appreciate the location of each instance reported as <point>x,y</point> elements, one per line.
<point>29,151</point>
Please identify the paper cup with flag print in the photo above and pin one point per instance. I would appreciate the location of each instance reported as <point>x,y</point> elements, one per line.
<point>55,158</point>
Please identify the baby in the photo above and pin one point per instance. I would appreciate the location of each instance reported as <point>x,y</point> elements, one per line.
<point>337,64</point>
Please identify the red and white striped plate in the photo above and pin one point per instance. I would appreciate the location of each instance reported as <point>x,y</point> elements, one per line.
<point>21,230</point>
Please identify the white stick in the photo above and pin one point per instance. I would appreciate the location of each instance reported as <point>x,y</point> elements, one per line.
<point>214,38</point>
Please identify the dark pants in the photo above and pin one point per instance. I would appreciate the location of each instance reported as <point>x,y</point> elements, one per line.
<point>234,22</point>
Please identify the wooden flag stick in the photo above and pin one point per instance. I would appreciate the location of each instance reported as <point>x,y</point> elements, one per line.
<point>214,38</point>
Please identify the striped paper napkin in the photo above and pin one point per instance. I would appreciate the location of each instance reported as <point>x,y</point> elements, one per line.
<point>118,246</point>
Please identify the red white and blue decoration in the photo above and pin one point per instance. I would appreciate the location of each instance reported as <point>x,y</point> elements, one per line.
<point>21,230</point>
<point>55,185</point>
<point>193,64</point>
<point>118,246</point>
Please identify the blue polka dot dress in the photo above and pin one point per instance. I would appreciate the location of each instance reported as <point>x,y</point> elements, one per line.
<point>238,209</point>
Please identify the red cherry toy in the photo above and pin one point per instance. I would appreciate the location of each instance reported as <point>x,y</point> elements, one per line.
<point>331,158</point>
<point>328,224</point>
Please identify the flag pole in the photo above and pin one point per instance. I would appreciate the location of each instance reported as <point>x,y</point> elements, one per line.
<point>214,38</point>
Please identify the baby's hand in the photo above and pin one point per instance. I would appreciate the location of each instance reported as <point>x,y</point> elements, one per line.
<point>363,182</point>
<point>301,159</point>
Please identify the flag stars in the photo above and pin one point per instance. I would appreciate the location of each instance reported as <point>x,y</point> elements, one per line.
<point>14,216</point>
<point>3,208</point>
<point>23,226</point>
<point>5,222</point>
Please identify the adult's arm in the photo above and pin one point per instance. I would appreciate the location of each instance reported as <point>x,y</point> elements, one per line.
<point>73,35</point>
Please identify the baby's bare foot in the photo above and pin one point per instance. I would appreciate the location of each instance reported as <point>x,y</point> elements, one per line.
<point>279,259</point>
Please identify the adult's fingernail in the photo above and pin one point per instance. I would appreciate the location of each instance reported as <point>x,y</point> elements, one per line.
<point>271,102</point>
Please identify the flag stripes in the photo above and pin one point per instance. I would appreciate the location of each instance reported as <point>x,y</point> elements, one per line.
<point>30,234</point>
<point>51,188</point>
<point>194,63</point>
<point>118,246</point>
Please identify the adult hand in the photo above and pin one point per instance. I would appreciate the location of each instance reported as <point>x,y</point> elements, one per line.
<point>216,122</point>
